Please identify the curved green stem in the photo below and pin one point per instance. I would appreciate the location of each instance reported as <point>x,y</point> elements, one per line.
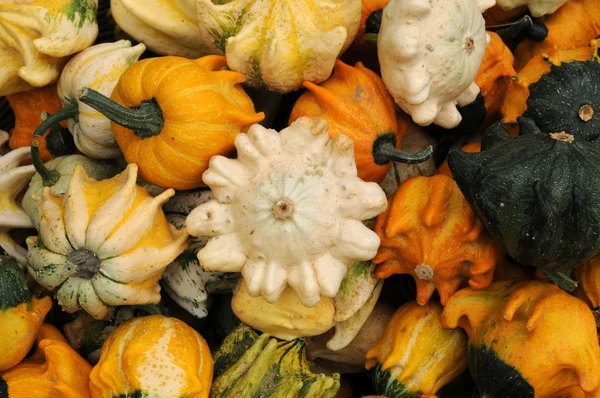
<point>385,151</point>
<point>371,38</point>
<point>49,177</point>
<point>561,280</point>
<point>145,120</point>
<point>60,141</point>
<point>68,112</point>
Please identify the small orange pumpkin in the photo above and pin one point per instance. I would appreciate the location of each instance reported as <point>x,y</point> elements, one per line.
<point>527,339</point>
<point>171,115</point>
<point>569,27</point>
<point>356,103</point>
<point>430,232</point>
<point>55,370</point>
<point>28,107</point>
<point>588,289</point>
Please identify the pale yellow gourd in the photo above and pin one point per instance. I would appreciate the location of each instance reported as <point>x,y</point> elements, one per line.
<point>37,36</point>
<point>279,44</point>
<point>103,243</point>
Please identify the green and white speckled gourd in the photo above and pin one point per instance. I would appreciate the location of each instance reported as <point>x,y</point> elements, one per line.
<point>98,67</point>
<point>288,211</point>
<point>14,177</point>
<point>37,36</point>
<point>537,8</point>
<point>184,280</point>
<point>430,52</point>
<point>279,44</point>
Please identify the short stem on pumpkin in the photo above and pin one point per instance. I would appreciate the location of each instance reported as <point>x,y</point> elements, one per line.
<point>561,280</point>
<point>146,120</point>
<point>60,141</point>
<point>385,151</point>
<point>87,263</point>
<point>69,111</point>
<point>49,177</point>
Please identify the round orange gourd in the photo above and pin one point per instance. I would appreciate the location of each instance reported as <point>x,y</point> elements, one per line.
<point>55,370</point>
<point>176,114</point>
<point>527,339</point>
<point>355,102</point>
<point>28,107</point>
<point>153,356</point>
<point>430,232</point>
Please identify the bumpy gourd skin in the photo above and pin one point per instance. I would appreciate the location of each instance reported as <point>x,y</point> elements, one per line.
<point>527,338</point>
<point>153,356</point>
<point>417,356</point>
<point>537,194</point>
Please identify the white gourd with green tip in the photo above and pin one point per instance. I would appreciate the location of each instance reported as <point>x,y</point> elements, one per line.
<point>38,35</point>
<point>14,177</point>
<point>430,52</point>
<point>184,280</point>
<point>288,211</point>
<point>103,243</point>
<point>279,44</point>
<point>98,67</point>
<point>538,8</point>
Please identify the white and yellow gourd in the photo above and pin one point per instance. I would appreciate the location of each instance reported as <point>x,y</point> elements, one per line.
<point>430,52</point>
<point>288,211</point>
<point>103,243</point>
<point>37,36</point>
<point>279,44</point>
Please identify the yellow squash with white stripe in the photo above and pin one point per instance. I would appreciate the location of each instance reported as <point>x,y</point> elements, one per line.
<point>417,356</point>
<point>153,356</point>
<point>103,243</point>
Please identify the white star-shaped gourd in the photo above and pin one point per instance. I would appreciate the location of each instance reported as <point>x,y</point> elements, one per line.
<point>288,211</point>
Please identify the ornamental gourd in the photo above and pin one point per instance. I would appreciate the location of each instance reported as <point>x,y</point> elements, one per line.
<point>21,314</point>
<point>153,356</point>
<point>537,8</point>
<point>279,45</point>
<point>570,27</point>
<point>248,364</point>
<point>56,175</point>
<point>165,27</point>
<point>103,243</point>
<point>28,107</point>
<point>36,37</point>
<point>14,177</point>
<point>98,67</point>
<point>535,195</point>
<point>558,92</point>
<point>416,356</point>
<point>184,280</point>
<point>588,289</point>
<point>355,102</point>
<point>171,115</point>
<point>430,232</point>
<point>370,23</point>
<point>296,190</point>
<point>54,370</point>
<point>527,339</point>
<point>427,70</point>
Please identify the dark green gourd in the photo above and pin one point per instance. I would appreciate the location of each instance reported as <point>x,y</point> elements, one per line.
<point>538,194</point>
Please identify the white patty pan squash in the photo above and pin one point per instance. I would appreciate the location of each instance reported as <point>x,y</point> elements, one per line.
<point>538,8</point>
<point>279,44</point>
<point>430,52</point>
<point>165,27</point>
<point>98,67</point>
<point>103,243</point>
<point>14,177</point>
<point>38,35</point>
<point>288,211</point>
<point>184,280</point>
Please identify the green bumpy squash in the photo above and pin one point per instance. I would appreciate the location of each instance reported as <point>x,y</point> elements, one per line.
<point>252,365</point>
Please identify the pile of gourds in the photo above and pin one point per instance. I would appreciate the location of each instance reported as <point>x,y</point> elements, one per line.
<point>205,198</point>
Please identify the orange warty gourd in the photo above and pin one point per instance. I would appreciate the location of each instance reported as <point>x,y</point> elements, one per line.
<point>588,289</point>
<point>526,339</point>
<point>430,232</point>
<point>55,370</point>
<point>153,356</point>
<point>355,102</point>
<point>28,107</point>
<point>570,27</point>
<point>171,115</point>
